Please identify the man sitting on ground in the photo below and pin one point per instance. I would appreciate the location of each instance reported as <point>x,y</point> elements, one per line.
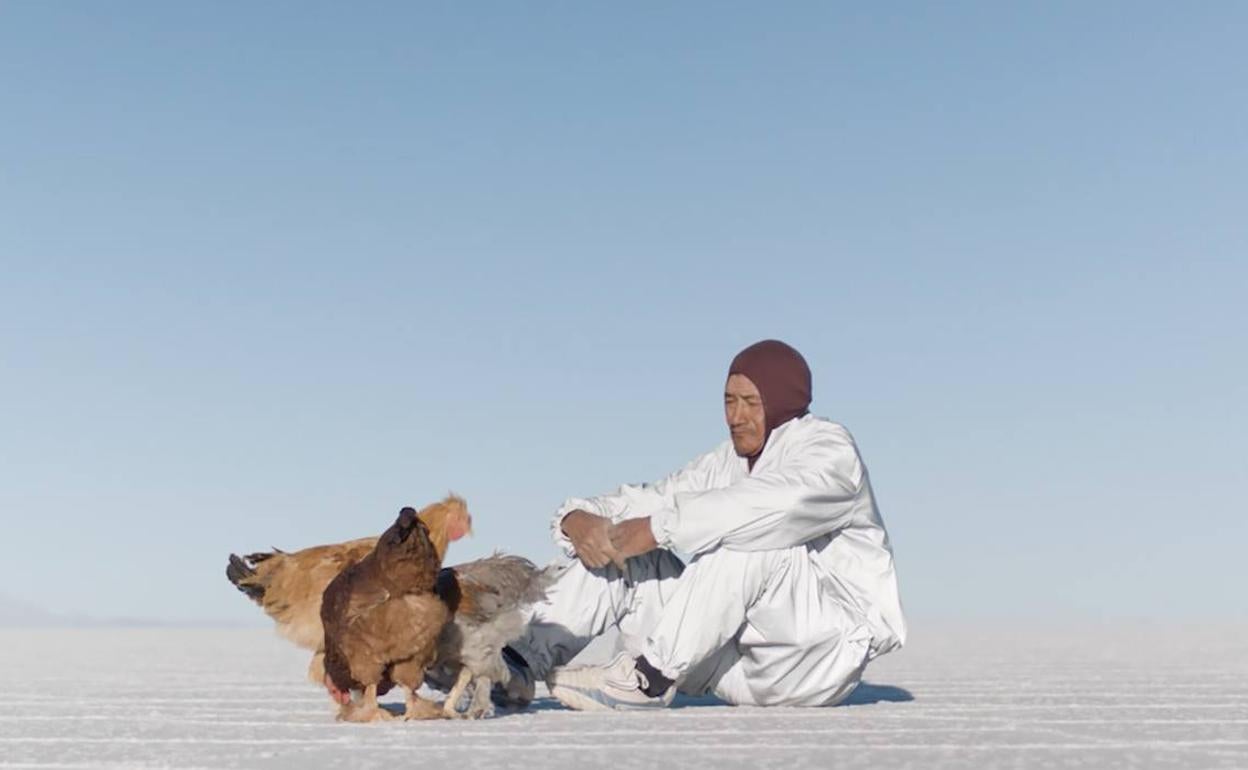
<point>791,588</point>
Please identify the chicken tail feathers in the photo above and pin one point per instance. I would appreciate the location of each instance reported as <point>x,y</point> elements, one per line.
<point>242,575</point>
<point>541,582</point>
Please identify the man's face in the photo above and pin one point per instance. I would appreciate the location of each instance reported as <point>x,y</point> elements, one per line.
<point>743,410</point>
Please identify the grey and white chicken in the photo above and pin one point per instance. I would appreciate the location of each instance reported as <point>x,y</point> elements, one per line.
<point>489,599</point>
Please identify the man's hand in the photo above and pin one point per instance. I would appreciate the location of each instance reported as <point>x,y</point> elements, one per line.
<point>632,537</point>
<point>590,536</point>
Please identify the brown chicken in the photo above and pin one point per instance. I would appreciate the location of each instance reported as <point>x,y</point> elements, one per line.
<point>382,618</point>
<point>289,586</point>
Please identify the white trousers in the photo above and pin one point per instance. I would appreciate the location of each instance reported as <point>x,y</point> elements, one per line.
<point>753,628</point>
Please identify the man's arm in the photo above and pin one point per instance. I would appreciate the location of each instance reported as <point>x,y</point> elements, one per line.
<point>631,537</point>
<point>630,501</point>
<point>590,537</point>
<point>816,491</point>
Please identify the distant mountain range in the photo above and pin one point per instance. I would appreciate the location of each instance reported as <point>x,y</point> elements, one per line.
<point>15,613</point>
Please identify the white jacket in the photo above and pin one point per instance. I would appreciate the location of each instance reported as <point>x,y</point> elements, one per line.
<point>808,486</point>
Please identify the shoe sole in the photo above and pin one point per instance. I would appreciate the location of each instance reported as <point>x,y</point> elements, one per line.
<point>575,698</point>
<point>593,700</point>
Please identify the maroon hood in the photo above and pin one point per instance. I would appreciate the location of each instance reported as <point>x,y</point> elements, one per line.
<point>782,378</point>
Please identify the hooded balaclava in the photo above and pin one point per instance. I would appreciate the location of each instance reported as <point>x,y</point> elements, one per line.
<point>782,378</point>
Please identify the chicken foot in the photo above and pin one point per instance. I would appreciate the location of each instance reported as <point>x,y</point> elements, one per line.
<point>481,705</point>
<point>451,705</point>
<point>367,710</point>
<point>419,708</point>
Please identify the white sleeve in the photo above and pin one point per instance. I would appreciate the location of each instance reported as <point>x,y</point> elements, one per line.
<point>633,501</point>
<point>816,491</point>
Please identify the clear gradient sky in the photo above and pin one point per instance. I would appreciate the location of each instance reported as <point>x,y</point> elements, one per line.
<point>272,270</point>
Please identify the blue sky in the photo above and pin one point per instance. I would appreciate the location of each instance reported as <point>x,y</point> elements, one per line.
<point>271,271</point>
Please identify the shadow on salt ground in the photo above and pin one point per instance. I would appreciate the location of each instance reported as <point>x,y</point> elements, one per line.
<point>866,693</point>
<point>396,709</point>
<point>681,702</point>
<point>863,695</point>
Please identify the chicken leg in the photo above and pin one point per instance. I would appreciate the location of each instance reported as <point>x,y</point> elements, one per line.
<point>451,705</point>
<point>481,706</point>
<point>316,668</point>
<point>367,710</point>
<point>419,708</point>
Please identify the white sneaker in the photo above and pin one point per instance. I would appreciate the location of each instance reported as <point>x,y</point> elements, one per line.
<point>617,686</point>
